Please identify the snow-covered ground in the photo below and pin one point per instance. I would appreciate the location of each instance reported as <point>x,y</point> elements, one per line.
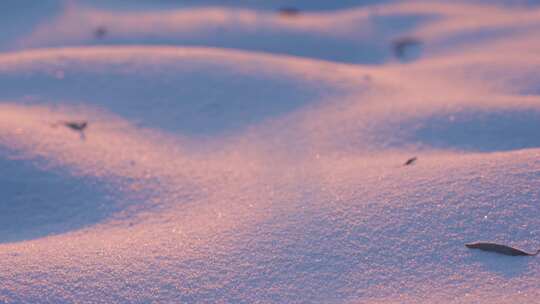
<point>238,154</point>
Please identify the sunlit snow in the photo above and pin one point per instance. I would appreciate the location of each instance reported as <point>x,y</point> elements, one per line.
<point>238,154</point>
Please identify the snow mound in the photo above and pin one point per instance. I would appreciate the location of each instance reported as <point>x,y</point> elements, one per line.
<point>226,168</point>
<point>37,202</point>
<point>486,132</point>
<point>356,35</point>
<point>210,90</point>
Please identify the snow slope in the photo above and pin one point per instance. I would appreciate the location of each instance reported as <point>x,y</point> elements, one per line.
<point>237,155</point>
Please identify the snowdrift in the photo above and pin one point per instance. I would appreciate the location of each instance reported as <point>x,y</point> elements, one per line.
<point>236,154</point>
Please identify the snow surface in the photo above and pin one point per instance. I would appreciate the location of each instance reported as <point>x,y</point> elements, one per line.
<point>238,155</point>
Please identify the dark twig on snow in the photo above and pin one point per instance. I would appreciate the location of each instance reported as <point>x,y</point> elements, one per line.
<point>400,46</point>
<point>77,126</point>
<point>289,11</point>
<point>502,249</point>
<point>410,161</point>
<point>100,32</point>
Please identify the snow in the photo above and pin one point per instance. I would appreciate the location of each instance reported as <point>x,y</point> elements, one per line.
<point>237,155</point>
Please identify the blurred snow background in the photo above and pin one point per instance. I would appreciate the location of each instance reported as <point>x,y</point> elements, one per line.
<point>252,151</point>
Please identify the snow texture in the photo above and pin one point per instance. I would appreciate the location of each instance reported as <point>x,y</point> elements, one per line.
<point>253,151</point>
